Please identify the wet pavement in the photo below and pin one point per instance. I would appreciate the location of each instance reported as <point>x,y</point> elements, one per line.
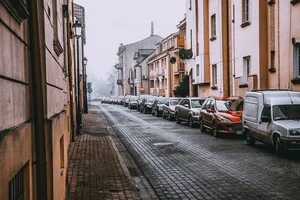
<point>182,163</point>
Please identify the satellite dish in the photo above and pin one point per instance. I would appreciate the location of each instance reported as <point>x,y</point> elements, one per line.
<point>172,60</point>
<point>189,54</point>
<point>182,53</point>
<point>186,54</point>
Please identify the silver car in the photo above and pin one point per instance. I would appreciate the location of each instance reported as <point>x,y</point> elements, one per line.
<point>169,108</point>
<point>188,110</point>
<point>273,117</point>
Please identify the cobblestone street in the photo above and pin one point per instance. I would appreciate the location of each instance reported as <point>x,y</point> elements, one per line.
<point>182,163</point>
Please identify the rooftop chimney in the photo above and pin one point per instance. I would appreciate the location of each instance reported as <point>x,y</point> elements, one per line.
<point>152,28</point>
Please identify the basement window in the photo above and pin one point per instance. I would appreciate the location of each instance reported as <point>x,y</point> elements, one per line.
<point>62,155</point>
<point>18,186</point>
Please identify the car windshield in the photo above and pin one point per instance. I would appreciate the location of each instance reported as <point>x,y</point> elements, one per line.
<point>286,112</point>
<point>162,100</point>
<point>174,102</point>
<point>197,103</point>
<point>230,105</point>
<point>150,99</point>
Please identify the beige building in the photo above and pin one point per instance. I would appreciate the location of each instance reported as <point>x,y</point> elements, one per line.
<point>283,51</point>
<point>159,68</point>
<point>37,97</point>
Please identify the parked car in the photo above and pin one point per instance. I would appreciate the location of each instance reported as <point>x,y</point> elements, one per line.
<point>132,103</point>
<point>188,110</point>
<point>146,104</point>
<point>123,100</point>
<point>169,108</point>
<point>222,115</point>
<point>119,102</point>
<point>273,117</point>
<point>126,100</point>
<point>157,107</point>
<point>140,100</point>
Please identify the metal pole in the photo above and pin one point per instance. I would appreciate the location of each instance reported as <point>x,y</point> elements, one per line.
<point>79,120</point>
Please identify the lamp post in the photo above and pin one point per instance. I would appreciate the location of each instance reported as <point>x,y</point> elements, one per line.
<point>78,31</point>
<point>85,60</point>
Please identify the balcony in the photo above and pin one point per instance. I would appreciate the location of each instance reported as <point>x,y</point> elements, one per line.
<point>118,66</point>
<point>162,92</point>
<point>152,75</point>
<point>180,42</point>
<point>120,82</point>
<point>161,72</point>
<point>180,69</point>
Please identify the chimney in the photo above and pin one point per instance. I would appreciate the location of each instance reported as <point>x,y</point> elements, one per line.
<point>152,28</point>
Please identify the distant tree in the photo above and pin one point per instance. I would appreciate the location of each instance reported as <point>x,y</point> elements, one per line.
<point>182,90</point>
<point>111,79</point>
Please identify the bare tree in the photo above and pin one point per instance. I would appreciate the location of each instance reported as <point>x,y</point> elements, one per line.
<point>111,80</point>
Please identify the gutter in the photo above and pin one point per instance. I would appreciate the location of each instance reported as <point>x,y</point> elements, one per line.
<point>38,93</point>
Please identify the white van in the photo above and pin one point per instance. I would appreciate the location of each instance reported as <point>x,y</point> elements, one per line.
<point>273,117</point>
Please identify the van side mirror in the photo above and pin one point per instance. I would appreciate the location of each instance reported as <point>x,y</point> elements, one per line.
<point>265,119</point>
<point>187,105</point>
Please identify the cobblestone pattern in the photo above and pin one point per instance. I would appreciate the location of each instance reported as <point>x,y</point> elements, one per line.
<point>95,171</point>
<point>182,163</point>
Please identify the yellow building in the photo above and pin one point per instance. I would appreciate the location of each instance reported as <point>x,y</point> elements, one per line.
<point>37,97</point>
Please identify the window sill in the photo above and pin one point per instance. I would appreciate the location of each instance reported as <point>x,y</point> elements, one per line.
<point>214,88</point>
<point>296,80</point>
<point>293,2</point>
<point>17,9</point>
<point>243,25</point>
<point>271,2</point>
<point>213,38</point>
<point>243,85</point>
<point>272,70</point>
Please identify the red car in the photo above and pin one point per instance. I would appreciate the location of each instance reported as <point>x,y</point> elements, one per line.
<point>222,115</point>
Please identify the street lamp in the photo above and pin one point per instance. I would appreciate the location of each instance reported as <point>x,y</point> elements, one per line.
<point>78,30</point>
<point>85,60</point>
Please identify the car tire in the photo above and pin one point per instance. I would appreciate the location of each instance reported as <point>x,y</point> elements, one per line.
<point>177,119</point>
<point>169,116</point>
<point>202,127</point>
<point>191,123</point>
<point>216,134</point>
<point>163,115</point>
<point>249,139</point>
<point>279,150</point>
<point>145,110</point>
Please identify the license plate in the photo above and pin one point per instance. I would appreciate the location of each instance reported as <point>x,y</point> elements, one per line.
<point>239,132</point>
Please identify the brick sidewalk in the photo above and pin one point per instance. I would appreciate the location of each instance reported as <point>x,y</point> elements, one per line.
<point>96,170</point>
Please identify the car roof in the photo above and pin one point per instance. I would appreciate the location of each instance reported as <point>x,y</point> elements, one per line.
<point>278,97</point>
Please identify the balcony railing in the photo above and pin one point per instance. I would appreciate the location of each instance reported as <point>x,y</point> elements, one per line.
<point>161,72</point>
<point>180,42</point>
<point>120,82</point>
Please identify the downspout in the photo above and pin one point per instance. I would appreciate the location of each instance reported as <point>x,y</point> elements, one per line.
<point>70,73</point>
<point>228,49</point>
<point>38,93</point>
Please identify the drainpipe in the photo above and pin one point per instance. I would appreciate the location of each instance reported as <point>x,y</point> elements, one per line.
<point>70,64</point>
<point>38,89</point>
<point>79,119</point>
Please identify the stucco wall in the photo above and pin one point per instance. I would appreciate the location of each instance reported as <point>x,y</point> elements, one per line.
<point>15,153</point>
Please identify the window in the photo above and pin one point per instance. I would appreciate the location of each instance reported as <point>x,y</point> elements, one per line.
<point>62,155</point>
<point>197,70</point>
<point>213,26</point>
<point>246,11</point>
<point>191,35</point>
<point>233,13</point>
<point>266,111</point>
<point>190,5</point>
<point>247,65</point>
<point>184,101</point>
<point>296,61</point>
<point>18,186</point>
<point>207,104</point>
<point>215,75</point>
<point>272,59</point>
<point>152,84</point>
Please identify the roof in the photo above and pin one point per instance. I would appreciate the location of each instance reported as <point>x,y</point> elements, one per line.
<point>279,97</point>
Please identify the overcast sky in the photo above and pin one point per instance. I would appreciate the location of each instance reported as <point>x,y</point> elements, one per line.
<point>111,22</point>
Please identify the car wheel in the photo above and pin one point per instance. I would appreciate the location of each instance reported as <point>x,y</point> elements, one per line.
<point>215,130</point>
<point>202,128</point>
<point>163,115</point>
<point>169,116</point>
<point>157,113</point>
<point>177,119</point>
<point>191,123</point>
<point>279,147</point>
<point>249,139</point>
<point>145,110</point>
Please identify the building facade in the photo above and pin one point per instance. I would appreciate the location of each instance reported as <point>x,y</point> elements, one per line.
<point>37,97</point>
<point>139,74</point>
<point>159,68</point>
<point>126,62</point>
<point>241,45</point>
